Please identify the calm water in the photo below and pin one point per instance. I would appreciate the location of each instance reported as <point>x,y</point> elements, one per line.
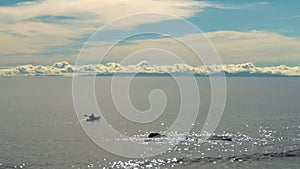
<point>39,128</point>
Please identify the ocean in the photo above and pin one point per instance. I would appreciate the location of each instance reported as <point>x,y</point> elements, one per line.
<point>40,129</point>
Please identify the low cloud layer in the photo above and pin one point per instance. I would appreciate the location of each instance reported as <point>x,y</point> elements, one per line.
<point>65,69</point>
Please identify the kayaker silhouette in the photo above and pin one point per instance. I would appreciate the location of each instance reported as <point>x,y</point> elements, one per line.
<point>92,118</point>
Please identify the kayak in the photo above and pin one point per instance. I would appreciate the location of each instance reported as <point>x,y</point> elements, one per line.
<point>93,119</point>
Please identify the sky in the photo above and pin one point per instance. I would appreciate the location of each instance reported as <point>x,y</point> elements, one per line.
<point>47,31</point>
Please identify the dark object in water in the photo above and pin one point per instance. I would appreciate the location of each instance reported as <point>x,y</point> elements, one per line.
<point>156,135</point>
<point>221,138</point>
<point>91,118</point>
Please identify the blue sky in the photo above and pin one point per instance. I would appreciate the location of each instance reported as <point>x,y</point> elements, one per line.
<point>276,16</point>
<point>46,31</point>
<point>11,2</point>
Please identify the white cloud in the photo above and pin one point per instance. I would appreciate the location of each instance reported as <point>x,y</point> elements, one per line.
<point>88,13</point>
<point>255,46</point>
<point>65,69</point>
<point>232,46</point>
<point>26,3</point>
<point>243,6</point>
<point>24,28</point>
<point>103,11</point>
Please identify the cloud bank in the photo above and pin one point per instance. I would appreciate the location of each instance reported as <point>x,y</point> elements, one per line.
<point>63,68</point>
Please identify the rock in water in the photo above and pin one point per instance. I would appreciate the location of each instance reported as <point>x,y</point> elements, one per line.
<point>156,135</point>
<point>221,138</point>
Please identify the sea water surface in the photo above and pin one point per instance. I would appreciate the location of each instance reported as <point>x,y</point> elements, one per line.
<point>39,127</point>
